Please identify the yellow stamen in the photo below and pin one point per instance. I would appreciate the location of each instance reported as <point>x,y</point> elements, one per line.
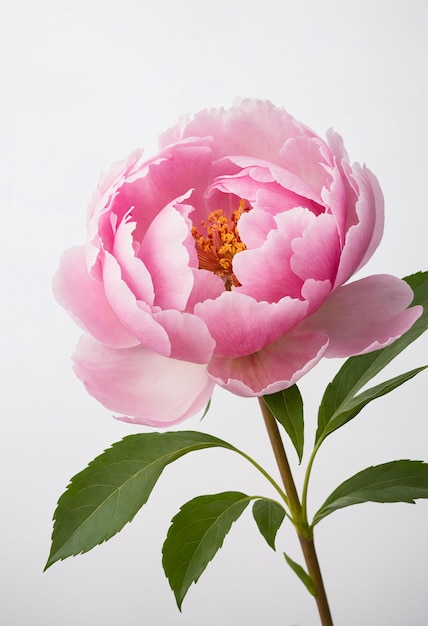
<point>217,249</point>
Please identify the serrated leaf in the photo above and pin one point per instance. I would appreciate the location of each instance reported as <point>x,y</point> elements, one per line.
<point>287,407</point>
<point>304,576</point>
<point>196,533</point>
<point>357,371</point>
<point>269,516</point>
<point>396,481</point>
<point>106,495</point>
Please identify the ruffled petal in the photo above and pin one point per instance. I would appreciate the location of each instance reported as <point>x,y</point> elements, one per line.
<point>306,158</point>
<point>317,251</point>
<point>265,273</point>
<point>206,286</point>
<point>85,299</point>
<point>101,201</point>
<point>250,127</point>
<point>169,175</point>
<point>365,315</point>
<point>276,367</point>
<point>145,387</point>
<point>241,326</point>
<point>254,227</point>
<point>264,172</point>
<point>188,334</point>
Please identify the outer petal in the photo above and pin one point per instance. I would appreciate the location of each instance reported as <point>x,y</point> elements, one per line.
<point>250,127</point>
<point>147,388</point>
<point>85,299</point>
<point>102,198</point>
<point>365,315</point>
<point>278,366</point>
<point>365,232</point>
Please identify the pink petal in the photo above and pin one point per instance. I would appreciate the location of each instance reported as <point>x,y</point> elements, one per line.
<point>268,195</point>
<point>306,158</point>
<point>250,127</point>
<point>317,251</point>
<point>206,286</point>
<point>147,388</point>
<point>335,199</point>
<point>254,227</point>
<point>275,367</point>
<point>264,172</point>
<point>364,315</point>
<point>364,234</point>
<point>315,292</point>
<point>135,315</point>
<point>241,326</point>
<point>266,273</point>
<point>167,259</point>
<point>169,175</point>
<point>379,215</point>
<point>86,300</point>
<point>335,143</point>
<point>189,336</point>
<point>102,198</point>
<point>134,272</point>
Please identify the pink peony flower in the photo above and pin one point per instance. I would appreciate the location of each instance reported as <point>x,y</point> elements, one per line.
<point>222,260</point>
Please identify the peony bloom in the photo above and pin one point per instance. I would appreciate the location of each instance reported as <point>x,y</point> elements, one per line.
<point>222,260</point>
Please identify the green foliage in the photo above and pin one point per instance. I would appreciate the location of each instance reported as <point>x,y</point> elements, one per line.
<point>351,406</point>
<point>207,408</point>
<point>196,533</point>
<point>340,402</point>
<point>287,408</point>
<point>106,495</point>
<point>269,516</point>
<point>396,481</point>
<point>304,576</point>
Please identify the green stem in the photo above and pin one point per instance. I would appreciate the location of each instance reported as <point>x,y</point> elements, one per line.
<point>306,480</point>
<point>304,531</point>
<point>265,474</point>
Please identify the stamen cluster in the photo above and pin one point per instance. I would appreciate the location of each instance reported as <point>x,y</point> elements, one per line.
<point>217,249</point>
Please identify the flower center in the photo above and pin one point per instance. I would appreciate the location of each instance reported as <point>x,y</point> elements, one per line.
<point>222,241</point>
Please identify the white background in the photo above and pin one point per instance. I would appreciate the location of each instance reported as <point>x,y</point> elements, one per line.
<point>83,84</point>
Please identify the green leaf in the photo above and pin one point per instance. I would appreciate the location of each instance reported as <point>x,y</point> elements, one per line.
<point>196,534</point>
<point>207,408</point>
<point>304,576</point>
<point>269,516</point>
<point>397,481</point>
<point>339,397</point>
<point>353,406</point>
<point>106,495</point>
<point>287,407</point>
